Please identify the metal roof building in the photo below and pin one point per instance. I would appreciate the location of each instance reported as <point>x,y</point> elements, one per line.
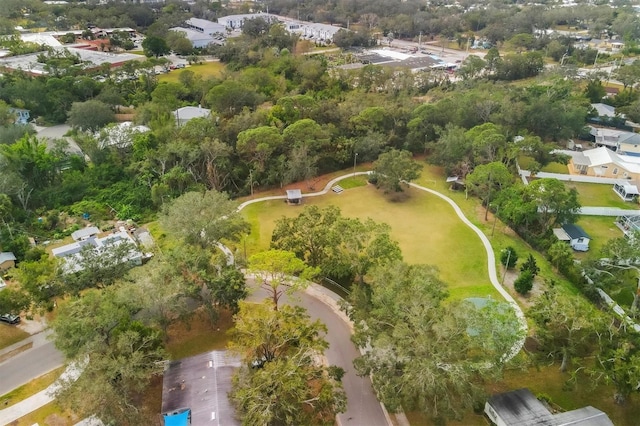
<point>522,408</point>
<point>199,385</point>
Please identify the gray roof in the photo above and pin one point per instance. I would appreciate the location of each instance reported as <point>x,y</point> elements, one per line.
<point>189,112</point>
<point>6,256</point>
<point>201,383</point>
<point>575,231</point>
<point>587,416</point>
<point>522,408</point>
<point>208,27</point>
<point>294,194</point>
<point>84,233</point>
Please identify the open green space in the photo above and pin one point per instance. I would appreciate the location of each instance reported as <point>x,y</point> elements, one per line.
<point>599,195</point>
<point>426,228</point>
<point>205,70</point>
<point>601,229</point>
<point>196,335</point>
<point>10,334</point>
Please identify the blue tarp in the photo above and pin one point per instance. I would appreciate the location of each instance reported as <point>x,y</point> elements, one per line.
<point>179,419</point>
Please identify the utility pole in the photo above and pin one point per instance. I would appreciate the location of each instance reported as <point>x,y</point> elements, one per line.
<point>355,158</point>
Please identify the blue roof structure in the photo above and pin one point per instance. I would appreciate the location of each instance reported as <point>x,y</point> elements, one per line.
<point>177,419</point>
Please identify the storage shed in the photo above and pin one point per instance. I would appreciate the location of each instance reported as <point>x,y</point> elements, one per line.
<point>574,235</point>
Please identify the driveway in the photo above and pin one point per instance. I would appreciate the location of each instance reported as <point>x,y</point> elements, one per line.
<point>363,408</point>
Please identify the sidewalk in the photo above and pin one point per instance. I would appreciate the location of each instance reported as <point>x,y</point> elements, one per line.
<point>38,400</point>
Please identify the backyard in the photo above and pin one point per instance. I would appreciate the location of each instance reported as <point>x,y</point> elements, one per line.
<point>599,195</point>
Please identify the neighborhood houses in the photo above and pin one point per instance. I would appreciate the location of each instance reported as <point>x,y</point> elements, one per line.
<point>315,213</point>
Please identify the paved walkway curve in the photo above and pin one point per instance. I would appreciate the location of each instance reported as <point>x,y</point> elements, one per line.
<point>491,259</point>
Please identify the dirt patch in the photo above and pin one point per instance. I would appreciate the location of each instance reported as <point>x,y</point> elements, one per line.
<point>529,299</point>
<point>15,352</point>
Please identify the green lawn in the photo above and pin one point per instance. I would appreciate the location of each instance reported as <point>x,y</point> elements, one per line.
<point>205,70</point>
<point>599,195</point>
<point>601,229</point>
<point>197,336</point>
<point>10,334</point>
<point>426,228</point>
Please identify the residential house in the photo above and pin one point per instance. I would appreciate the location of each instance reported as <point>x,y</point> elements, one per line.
<point>236,22</point>
<point>522,408</point>
<point>629,225</point>
<point>617,140</point>
<point>195,389</point>
<point>85,233</point>
<point>577,238</point>
<point>604,110</point>
<point>185,114</point>
<point>603,162</point>
<point>7,260</point>
<point>105,248</point>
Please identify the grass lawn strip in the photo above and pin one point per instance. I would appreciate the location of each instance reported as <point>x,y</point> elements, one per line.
<point>206,70</point>
<point>10,334</point>
<point>599,195</point>
<point>31,388</point>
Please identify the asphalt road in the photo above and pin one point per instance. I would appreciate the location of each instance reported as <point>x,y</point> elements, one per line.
<point>363,408</point>
<point>26,366</point>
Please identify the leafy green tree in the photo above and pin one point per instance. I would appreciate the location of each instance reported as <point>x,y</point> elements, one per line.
<point>90,115</point>
<point>14,301</point>
<point>509,257</point>
<point>618,361</point>
<point>203,218</point>
<point>620,257</point>
<point>278,268</point>
<point>259,144</point>
<point>230,97</point>
<point>595,91</point>
<point>281,381</point>
<point>40,279</point>
<point>421,355</point>
<point>524,283</point>
<point>486,180</point>
<point>119,355</point>
<point>155,46</point>
<point>560,254</point>
<point>530,265</point>
<point>567,327</point>
<point>395,168</point>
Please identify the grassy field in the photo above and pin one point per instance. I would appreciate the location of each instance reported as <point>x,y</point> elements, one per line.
<point>49,415</point>
<point>205,70</point>
<point>599,195</point>
<point>10,334</point>
<point>601,229</point>
<point>426,228</point>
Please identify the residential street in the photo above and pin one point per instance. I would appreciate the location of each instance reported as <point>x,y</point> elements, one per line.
<point>363,408</point>
<point>26,366</point>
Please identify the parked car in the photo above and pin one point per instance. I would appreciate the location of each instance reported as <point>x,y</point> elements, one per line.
<point>10,318</point>
<point>180,66</point>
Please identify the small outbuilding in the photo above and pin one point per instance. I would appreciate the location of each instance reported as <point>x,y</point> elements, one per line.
<point>626,190</point>
<point>294,196</point>
<point>521,408</point>
<point>7,260</point>
<point>577,238</point>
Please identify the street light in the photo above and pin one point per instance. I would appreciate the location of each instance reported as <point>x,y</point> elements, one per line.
<point>506,267</point>
<point>355,159</point>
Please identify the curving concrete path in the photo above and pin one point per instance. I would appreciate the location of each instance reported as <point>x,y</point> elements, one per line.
<point>491,259</point>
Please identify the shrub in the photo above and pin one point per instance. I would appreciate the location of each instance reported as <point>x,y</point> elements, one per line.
<point>530,265</point>
<point>509,256</point>
<point>524,283</point>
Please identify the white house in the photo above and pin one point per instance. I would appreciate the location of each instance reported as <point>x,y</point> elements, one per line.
<point>617,140</point>
<point>184,114</point>
<point>574,235</point>
<point>7,260</point>
<point>522,408</point>
<point>199,39</point>
<point>71,257</point>
<point>85,233</point>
